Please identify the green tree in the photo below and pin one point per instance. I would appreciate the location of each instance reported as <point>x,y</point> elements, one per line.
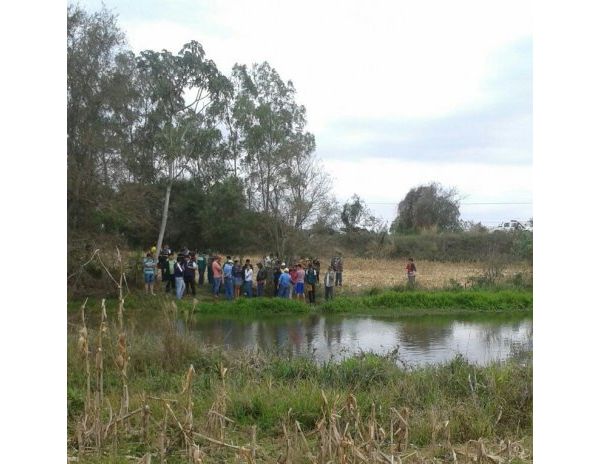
<point>426,207</point>
<point>177,127</point>
<point>356,216</point>
<point>96,97</point>
<point>283,180</point>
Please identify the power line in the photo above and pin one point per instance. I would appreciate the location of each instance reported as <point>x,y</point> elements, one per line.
<point>477,203</point>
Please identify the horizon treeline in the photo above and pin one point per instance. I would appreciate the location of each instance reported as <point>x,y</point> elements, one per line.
<point>164,147</point>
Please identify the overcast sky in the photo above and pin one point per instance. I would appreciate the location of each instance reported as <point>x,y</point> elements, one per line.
<point>398,93</point>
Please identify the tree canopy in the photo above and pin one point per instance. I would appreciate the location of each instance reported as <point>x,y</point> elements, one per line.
<point>164,146</point>
<point>428,207</point>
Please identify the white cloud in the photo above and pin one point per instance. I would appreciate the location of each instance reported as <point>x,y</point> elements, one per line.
<point>357,60</point>
<point>354,58</point>
<point>383,180</point>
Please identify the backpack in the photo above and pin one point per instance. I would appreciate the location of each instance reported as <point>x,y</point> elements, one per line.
<point>311,276</point>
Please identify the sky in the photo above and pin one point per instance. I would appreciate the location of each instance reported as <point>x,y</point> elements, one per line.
<point>398,93</point>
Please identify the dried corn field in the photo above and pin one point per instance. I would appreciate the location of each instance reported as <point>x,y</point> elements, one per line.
<point>365,273</point>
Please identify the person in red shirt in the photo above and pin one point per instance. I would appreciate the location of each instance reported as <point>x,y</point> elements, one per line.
<point>411,271</point>
<point>217,276</point>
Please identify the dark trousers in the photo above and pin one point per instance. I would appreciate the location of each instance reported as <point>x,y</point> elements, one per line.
<point>170,283</point>
<point>260,288</point>
<point>248,288</point>
<point>190,283</point>
<point>200,276</point>
<point>312,292</point>
<point>328,293</point>
<point>338,278</point>
<point>276,288</point>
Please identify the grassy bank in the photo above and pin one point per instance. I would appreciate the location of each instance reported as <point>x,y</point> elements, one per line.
<point>376,302</point>
<point>145,400</point>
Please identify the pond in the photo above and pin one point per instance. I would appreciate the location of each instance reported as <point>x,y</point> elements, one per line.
<point>418,340</point>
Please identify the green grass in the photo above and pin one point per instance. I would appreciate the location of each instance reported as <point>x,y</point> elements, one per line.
<point>432,302</point>
<point>398,302</point>
<point>262,388</point>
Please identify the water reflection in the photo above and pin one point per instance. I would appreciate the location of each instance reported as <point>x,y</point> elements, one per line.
<point>418,340</point>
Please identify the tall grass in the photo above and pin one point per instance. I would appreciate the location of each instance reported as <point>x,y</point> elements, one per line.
<point>428,302</point>
<point>191,403</point>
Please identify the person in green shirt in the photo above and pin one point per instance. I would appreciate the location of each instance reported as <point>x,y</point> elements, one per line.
<point>201,268</point>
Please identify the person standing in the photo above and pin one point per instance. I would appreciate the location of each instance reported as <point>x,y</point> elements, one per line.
<point>179,283</point>
<point>329,282</point>
<point>293,276</point>
<point>170,275</point>
<point>149,273</point>
<point>276,274</point>
<point>317,267</point>
<point>261,278</point>
<point>217,274</point>
<point>228,278</point>
<point>189,275</point>
<point>411,272</point>
<point>163,257</point>
<point>338,266</point>
<point>311,282</point>
<point>209,272</point>
<point>248,276</point>
<point>300,274</point>
<point>285,281</point>
<point>201,268</point>
<point>238,278</point>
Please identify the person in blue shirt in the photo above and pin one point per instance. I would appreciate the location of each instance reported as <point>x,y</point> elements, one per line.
<point>285,281</point>
<point>149,273</point>
<point>228,278</point>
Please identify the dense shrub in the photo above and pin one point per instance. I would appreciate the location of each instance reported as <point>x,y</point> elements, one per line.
<point>464,246</point>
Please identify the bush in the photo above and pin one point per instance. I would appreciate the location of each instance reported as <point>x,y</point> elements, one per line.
<point>464,246</point>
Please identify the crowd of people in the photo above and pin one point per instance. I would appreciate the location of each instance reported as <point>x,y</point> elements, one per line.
<point>181,272</point>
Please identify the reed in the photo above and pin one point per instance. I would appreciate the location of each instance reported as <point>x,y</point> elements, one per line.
<point>206,406</point>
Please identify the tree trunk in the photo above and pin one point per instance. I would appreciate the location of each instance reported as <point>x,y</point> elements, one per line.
<point>163,223</point>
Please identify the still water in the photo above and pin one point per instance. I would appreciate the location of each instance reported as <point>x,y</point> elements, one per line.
<point>420,340</point>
